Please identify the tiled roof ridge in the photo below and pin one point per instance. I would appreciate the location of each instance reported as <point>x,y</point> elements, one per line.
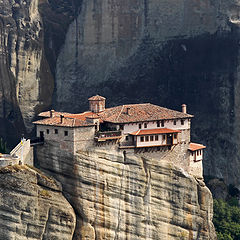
<point>120,112</point>
<point>128,105</point>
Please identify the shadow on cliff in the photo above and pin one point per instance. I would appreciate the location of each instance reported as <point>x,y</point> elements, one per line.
<point>201,72</point>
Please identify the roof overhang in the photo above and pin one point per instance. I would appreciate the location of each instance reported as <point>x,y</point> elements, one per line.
<point>195,146</point>
<point>147,120</point>
<point>154,131</point>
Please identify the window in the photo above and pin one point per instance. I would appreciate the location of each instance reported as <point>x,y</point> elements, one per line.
<point>121,127</point>
<point>147,138</point>
<point>139,125</point>
<point>56,131</point>
<point>182,122</point>
<point>151,138</point>
<point>162,123</point>
<point>158,124</point>
<point>141,139</point>
<point>145,125</point>
<point>126,138</point>
<point>175,136</point>
<point>156,138</point>
<point>192,153</point>
<point>65,133</point>
<point>47,131</point>
<point>41,135</point>
<point>164,137</point>
<point>174,122</point>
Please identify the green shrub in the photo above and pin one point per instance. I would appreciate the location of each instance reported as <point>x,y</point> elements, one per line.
<point>45,193</point>
<point>226,219</point>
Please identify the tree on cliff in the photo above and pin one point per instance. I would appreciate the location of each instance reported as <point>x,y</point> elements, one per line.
<point>3,146</point>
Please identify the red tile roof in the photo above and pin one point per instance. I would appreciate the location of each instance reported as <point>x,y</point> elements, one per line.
<point>67,122</point>
<point>154,131</point>
<point>82,116</point>
<point>140,113</point>
<point>124,114</point>
<point>195,146</point>
<point>47,114</point>
<point>96,98</point>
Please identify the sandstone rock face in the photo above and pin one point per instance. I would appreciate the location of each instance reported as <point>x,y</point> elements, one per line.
<point>33,207</point>
<point>132,197</point>
<point>162,52</point>
<point>23,67</point>
<point>156,51</point>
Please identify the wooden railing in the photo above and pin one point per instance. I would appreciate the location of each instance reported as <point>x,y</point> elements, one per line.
<point>108,134</point>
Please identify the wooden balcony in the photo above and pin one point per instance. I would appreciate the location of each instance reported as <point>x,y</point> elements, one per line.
<point>109,135</point>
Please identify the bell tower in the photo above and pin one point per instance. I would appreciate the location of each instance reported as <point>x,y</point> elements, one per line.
<point>97,104</point>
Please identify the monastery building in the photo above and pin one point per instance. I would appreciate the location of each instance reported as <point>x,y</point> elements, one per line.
<point>135,127</point>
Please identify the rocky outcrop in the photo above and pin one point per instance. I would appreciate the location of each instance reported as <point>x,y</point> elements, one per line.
<point>162,52</point>
<point>32,206</point>
<point>130,196</point>
<point>32,32</point>
<point>25,79</point>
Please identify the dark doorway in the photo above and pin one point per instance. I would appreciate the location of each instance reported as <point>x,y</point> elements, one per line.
<point>169,139</point>
<point>41,135</point>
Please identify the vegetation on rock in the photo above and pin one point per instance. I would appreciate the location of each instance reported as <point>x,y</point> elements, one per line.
<point>3,146</point>
<point>227,219</point>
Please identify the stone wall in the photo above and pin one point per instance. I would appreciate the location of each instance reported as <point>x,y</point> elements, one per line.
<point>196,169</point>
<point>64,142</point>
<point>24,152</point>
<point>84,138</point>
<point>6,160</point>
<point>21,154</point>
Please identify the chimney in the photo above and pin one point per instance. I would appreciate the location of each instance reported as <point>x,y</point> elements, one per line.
<point>52,113</point>
<point>184,108</point>
<point>127,110</point>
<point>61,118</point>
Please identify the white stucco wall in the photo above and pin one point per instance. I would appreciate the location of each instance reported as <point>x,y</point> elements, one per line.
<point>160,141</point>
<point>132,127</point>
<point>24,152</point>
<point>150,143</point>
<point>195,157</point>
<point>6,160</point>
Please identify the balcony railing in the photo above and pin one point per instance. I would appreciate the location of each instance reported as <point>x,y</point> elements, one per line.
<point>108,134</point>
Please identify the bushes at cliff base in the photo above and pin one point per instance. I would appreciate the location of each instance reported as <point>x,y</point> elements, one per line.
<point>227,219</point>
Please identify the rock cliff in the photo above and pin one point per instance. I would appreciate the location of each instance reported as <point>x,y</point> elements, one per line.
<point>130,197</point>
<point>129,51</point>
<point>32,206</point>
<point>162,52</point>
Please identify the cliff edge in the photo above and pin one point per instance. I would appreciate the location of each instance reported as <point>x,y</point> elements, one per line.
<point>117,196</point>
